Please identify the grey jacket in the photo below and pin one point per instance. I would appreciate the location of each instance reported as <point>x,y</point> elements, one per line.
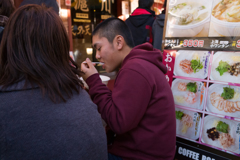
<point>33,127</point>
<point>157,29</point>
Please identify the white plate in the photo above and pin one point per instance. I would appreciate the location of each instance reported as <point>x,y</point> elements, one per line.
<point>209,123</point>
<point>218,88</point>
<point>192,132</point>
<point>226,77</point>
<point>183,54</point>
<point>183,94</point>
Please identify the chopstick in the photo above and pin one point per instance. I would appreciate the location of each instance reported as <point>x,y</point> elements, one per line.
<point>99,63</point>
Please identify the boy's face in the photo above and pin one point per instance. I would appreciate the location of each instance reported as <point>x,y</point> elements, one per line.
<point>107,53</point>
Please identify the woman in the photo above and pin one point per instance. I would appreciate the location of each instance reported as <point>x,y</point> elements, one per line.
<point>6,9</point>
<point>44,112</point>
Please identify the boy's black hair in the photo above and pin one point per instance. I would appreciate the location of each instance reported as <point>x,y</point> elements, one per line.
<point>111,27</point>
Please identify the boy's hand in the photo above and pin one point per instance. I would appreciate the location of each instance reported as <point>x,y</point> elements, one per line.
<point>87,67</point>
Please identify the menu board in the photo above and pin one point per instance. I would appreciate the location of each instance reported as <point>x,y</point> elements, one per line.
<point>202,40</point>
<point>205,24</point>
<point>207,97</point>
<point>202,54</point>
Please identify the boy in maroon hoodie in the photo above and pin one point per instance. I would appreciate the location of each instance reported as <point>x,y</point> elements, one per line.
<point>140,109</point>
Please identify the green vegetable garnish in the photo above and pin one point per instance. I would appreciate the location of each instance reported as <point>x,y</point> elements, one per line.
<point>203,7</point>
<point>196,65</point>
<point>228,93</point>
<point>222,67</point>
<point>179,115</point>
<point>178,6</point>
<point>222,127</point>
<point>192,87</point>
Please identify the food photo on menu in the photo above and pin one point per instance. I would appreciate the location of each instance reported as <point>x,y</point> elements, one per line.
<point>187,123</point>
<point>192,64</point>
<point>188,18</point>
<point>222,133</point>
<point>225,18</point>
<point>224,99</point>
<point>226,67</point>
<point>188,93</point>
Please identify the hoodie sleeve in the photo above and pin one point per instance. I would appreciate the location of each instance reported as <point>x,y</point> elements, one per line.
<point>124,107</point>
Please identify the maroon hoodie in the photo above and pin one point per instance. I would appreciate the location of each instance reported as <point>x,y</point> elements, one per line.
<point>140,109</point>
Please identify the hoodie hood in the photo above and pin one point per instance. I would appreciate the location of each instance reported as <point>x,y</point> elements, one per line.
<point>160,19</point>
<point>49,3</point>
<point>148,53</point>
<point>140,16</point>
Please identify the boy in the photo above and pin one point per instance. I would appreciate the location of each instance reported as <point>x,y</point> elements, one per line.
<point>140,109</point>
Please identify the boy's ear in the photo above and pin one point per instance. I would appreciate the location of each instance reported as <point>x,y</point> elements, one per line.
<point>120,41</point>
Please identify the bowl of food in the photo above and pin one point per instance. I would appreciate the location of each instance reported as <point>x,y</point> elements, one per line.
<point>104,79</point>
<point>187,18</point>
<point>225,17</point>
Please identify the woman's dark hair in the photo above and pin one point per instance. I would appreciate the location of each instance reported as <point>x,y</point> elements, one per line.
<point>146,4</point>
<point>35,48</point>
<point>6,7</point>
<point>111,27</point>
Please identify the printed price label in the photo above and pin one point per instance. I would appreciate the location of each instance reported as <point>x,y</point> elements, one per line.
<point>193,43</point>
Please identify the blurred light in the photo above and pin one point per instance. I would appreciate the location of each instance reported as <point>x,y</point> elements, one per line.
<point>123,17</point>
<point>89,51</point>
<point>64,13</point>
<point>71,55</point>
<point>76,53</point>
